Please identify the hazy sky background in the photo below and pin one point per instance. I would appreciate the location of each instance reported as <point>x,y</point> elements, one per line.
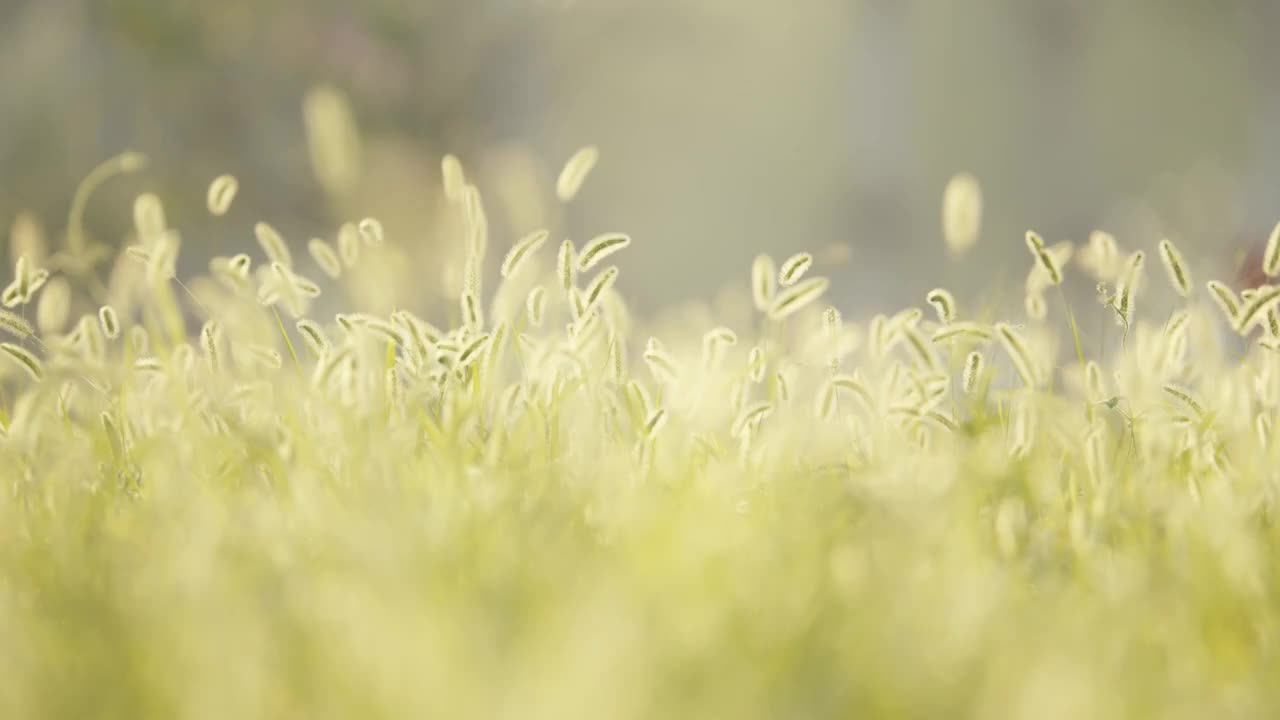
<point>726,127</point>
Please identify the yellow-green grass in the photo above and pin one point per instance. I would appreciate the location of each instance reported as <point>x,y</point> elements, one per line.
<point>529,507</point>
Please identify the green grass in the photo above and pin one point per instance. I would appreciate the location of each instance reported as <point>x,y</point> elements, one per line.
<point>383,531</point>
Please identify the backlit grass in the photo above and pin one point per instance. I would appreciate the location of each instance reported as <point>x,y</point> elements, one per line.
<point>528,506</point>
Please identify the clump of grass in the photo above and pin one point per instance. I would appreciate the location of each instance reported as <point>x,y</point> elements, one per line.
<point>508,507</point>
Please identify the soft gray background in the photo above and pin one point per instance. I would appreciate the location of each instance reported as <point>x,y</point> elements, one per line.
<point>727,127</point>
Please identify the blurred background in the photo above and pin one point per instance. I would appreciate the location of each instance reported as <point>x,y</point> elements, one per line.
<point>726,127</point>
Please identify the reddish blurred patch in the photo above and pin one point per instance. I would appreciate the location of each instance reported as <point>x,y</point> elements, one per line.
<point>1249,274</point>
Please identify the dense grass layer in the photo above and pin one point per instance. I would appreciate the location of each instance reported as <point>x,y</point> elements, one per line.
<point>542,512</point>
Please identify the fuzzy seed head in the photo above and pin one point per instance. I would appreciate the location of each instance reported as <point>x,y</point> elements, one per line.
<point>1256,308</point>
<point>109,322</point>
<point>961,213</point>
<point>599,285</point>
<point>525,248</point>
<point>16,325</point>
<point>831,322</point>
<point>971,331</point>
<point>656,420</point>
<point>25,358</point>
<point>797,297</point>
<point>1045,259</point>
<point>313,336</point>
<point>575,172</point>
<point>1175,267</point>
<point>1128,283</point>
<point>54,306</point>
<point>222,192</point>
<point>453,176</point>
<point>750,417</point>
<point>1226,299</point>
<point>601,247</point>
<point>472,316</point>
<point>273,244</point>
<point>756,364</point>
<point>325,257</point>
<point>763,275</point>
<point>944,303</point>
<point>794,268</point>
<point>565,264</point>
<point>535,304</point>
<point>973,364</point>
<point>333,139</point>
<point>210,339</point>
<point>349,244</point>
<point>1101,257</point>
<point>1016,347</point>
<point>1036,307</point>
<point>148,215</point>
<point>371,232</point>
<point>1271,254</point>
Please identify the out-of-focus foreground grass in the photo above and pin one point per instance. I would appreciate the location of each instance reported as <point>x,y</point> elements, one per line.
<point>220,500</point>
<point>359,432</point>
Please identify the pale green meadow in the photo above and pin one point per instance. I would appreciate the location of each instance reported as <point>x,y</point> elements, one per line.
<point>219,501</point>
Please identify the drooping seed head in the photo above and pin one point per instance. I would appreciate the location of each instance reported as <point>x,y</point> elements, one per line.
<point>313,336</point>
<point>16,325</point>
<point>601,247</point>
<point>1256,308</point>
<point>962,330</point>
<point>25,358</point>
<point>371,232</point>
<point>797,297</point>
<point>525,248</point>
<point>794,268</point>
<point>944,303</point>
<point>575,172</point>
<point>662,365</point>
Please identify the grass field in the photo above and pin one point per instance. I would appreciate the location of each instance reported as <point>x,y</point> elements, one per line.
<point>531,507</point>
